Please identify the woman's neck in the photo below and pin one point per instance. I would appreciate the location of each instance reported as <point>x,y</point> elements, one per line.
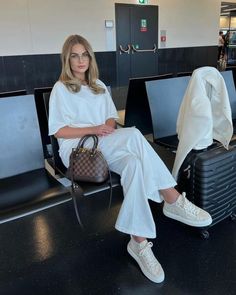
<point>82,79</point>
<point>83,82</point>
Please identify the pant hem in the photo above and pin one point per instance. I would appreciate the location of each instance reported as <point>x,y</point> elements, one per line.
<point>139,234</point>
<point>156,196</point>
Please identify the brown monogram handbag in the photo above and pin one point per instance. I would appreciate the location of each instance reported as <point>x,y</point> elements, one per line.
<point>87,165</point>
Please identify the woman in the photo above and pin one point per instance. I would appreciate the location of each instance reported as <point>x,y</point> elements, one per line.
<point>80,104</point>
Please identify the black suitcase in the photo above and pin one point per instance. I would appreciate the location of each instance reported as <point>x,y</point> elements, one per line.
<point>209,179</point>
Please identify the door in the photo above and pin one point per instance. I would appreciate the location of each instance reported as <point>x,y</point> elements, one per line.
<point>137,40</point>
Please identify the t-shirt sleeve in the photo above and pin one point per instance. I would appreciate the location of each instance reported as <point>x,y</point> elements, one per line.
<point>111,111</point>
<point>57,116</point>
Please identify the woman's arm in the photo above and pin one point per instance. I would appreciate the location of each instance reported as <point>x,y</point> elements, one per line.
<point>100,130</point>
<point>71,132</point>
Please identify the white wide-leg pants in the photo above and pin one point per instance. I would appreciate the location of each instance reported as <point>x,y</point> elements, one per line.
<point>142,173</point>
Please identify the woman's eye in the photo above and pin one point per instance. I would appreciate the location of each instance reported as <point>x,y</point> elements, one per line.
<point>85,54</point>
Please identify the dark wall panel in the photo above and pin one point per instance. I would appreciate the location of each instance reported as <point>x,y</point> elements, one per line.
<point>107,67</point>
<point>14,72</point>
<point>47,69</point>
<point>3,83</point>
<point>174,60</point>
<point>29,72</point>
<point>33,71</point>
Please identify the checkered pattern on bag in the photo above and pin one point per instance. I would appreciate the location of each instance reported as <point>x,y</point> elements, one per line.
<point>89,167</point>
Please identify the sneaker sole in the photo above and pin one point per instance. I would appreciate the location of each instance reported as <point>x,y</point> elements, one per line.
<point>136,258</point>
<point>188,222</point>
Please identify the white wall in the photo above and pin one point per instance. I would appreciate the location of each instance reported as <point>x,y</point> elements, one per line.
<point>41,26</point>
<point>190,23</point>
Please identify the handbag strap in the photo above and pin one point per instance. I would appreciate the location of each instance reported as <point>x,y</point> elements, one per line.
<point>77,193</point>
<point>76,190</point>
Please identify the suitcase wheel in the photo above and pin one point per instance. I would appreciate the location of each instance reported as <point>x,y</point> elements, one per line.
<point>233,216</point>
<point>204,234</point>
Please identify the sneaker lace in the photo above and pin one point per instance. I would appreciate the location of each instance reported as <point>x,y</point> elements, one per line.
<point>147,254</point>
<point>190,207</point>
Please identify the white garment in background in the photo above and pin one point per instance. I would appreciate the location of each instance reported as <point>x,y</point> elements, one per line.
<point>127,152</point>
<point>204,115</point>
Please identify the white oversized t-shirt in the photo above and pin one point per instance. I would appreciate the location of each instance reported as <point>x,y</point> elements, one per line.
<point>81,109</point>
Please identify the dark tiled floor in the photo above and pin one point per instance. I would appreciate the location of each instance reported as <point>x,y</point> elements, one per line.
<point>46,253</point>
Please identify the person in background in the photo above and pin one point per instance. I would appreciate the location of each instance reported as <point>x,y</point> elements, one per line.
<point>226,44</point>
<point>221,43</point>
<point>80,104</point>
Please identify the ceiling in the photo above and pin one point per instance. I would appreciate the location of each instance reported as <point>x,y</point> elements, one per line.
<point>227,7</point>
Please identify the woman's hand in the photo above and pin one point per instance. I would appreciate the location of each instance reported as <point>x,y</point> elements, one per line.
<point>103,130</point>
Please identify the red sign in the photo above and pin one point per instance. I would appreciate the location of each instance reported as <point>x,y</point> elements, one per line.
<point>163,38</point>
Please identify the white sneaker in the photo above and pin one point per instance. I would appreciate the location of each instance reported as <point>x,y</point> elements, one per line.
<point>185,211</point>
<point>145,258</point>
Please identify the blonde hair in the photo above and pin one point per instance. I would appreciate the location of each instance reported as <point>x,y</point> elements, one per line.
<point>67,78</point>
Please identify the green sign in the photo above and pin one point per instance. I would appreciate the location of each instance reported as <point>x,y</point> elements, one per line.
<point>142,1</point>
<point>143,23</point>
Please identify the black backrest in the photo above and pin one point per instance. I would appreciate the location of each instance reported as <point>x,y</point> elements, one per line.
<point>43,120</point>
<point>137,111</point>
<point>21,146</point>
<point>13,93</point>
<point>58,166</point>
<point>183,74</point>
<point>165,97</point>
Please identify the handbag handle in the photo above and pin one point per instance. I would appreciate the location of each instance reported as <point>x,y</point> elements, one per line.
<point>84,138</point>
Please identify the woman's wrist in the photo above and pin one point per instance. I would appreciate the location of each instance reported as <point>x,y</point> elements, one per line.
<point>93,130</point>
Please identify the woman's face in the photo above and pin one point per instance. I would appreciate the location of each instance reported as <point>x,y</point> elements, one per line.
<point>79,61</point>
